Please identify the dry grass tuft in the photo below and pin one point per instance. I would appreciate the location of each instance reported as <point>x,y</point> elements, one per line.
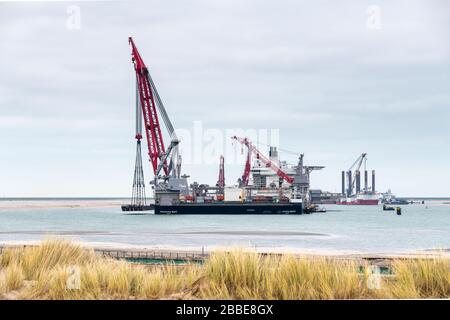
<point>11,278</point>
<point>52,253</point>
<point>248,275</point>
<point>425,278</point>
<point>47,272</point>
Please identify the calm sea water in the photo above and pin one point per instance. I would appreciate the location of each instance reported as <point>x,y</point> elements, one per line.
<point>365,229</point>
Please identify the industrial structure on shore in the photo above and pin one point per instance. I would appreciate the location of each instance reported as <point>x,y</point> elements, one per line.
<point>267,185</point>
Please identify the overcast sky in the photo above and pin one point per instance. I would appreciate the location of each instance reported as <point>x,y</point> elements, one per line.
<point>333,77</point>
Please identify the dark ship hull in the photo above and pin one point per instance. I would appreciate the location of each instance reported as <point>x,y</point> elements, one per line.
<point>130,207</point>
<point>230,208</point>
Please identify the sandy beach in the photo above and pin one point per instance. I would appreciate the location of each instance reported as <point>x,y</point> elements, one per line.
<point>63,203</point>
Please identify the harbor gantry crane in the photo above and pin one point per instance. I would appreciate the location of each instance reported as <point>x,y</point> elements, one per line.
<point>150,101</point>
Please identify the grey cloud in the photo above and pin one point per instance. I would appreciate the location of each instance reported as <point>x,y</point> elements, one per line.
<point>311,69</point>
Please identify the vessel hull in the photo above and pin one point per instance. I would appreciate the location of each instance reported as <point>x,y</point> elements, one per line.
<point>129,207</point>
<point>231,208</point>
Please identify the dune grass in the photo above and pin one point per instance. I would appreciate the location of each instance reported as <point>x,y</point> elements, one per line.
<point>58,269</point>
<point>428,278</point>
<point>246,275</point>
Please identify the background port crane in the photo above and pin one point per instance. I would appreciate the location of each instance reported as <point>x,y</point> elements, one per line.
<point>355,177</point>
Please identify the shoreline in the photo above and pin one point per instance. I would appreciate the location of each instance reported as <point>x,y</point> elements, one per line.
<point>73,203</point>
<point>17,204</point>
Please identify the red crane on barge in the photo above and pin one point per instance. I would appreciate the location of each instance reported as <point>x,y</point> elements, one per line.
<point>148,95</point>
<point>165,162</point>
<point>260,156</point>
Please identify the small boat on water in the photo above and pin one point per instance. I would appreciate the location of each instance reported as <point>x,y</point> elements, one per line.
<point>398,210</point>
<point>389,198</point>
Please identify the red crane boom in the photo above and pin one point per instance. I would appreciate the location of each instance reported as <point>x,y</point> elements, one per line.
<point>260,156</point>
<point>146,98</point>
<point>248,165</point>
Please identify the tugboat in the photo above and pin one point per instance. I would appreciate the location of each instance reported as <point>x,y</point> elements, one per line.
<point>389,198</point>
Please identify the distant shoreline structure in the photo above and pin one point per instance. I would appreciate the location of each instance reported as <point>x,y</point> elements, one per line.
<point>63,198</point>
